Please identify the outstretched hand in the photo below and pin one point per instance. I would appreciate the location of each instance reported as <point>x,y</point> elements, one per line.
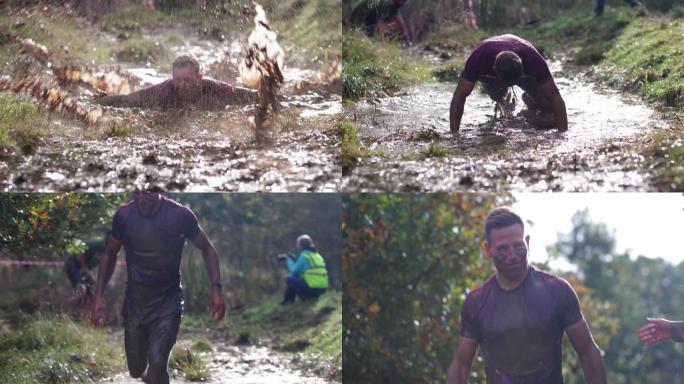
<point>656,331</point>
<point>218,306</point>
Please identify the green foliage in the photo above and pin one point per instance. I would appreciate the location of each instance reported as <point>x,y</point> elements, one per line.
<point>19,123</point>
<point>120,130</point>
<point>373,67</point>
<point>183,362</point>
<point>55,350</point>
<point>435,151</point>
<point>201,345</point>
<point>408,263</point>
<point>49,226</point>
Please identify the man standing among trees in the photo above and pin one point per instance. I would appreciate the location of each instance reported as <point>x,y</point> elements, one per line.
<point>519,315</point>
<point>153,230</point>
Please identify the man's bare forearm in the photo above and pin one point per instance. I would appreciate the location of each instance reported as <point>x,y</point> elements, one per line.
<point>458,374</point>
<point>456,112</point>
<point>560,113</point>
<point>104,273</point>
<point>212,264</point>
<point>592,365</point>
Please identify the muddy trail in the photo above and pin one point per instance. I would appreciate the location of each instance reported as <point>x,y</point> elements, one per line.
<point>409,133</point>
<point>189,150</point>
<point>243,364</point>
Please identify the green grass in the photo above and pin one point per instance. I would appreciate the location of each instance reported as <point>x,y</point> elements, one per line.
<point>134,19</point>
<point>314,327</point>
<point>19,124</point>
<point>650,54</point>
<point>120,130</point>
<point>373,68</point>
<point>142,51</point>
<point>435,151</point>
<point>202,345</point>
<point>352,148</point>
<point>184,362</point>
<point>49,349</point>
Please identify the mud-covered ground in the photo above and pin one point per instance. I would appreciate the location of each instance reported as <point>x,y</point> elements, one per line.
<point>415,151</point>
<point>191,150</point>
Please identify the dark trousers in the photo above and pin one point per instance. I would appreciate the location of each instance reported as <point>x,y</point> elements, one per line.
<point>532,96</point>
<point>148,346</point>
<point>296,286</point>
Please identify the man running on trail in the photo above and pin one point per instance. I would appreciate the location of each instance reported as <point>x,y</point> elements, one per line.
<point>518,317</point>
<point>78,269</point>
<point>186,88</point>
<point>153,230</point>
<point>501,62</point>
<point>308,276</point>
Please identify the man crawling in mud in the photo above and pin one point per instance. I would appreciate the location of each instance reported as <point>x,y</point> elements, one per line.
<point>499,63</point>
<point>185,88</point>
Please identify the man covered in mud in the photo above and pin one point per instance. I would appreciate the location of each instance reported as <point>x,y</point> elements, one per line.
<point>308,277</point>
<point>153,230</point>
<point>519,315</point>
<point>501,62</point>
<point>186,88</point>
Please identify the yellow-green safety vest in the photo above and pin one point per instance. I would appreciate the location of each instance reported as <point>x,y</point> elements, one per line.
<point>316,276</point>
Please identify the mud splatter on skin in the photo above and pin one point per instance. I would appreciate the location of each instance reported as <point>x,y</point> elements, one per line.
<point>488,155</point>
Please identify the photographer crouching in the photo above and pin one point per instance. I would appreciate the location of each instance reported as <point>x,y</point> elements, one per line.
<point>308,277</point>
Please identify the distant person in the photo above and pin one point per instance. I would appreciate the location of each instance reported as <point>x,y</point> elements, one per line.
<point>499,63</point>
<point>519,315</point>
<point>601,3</point>
<point>185,88</point>
<point>384,18</point>
<point>659,330</point>
<point>153,230</point>
<point>308,277</point>
<point>78,269</point>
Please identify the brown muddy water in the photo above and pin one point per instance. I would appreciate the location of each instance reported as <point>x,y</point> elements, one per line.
<point>251,364</point>
<point>488,154</point>
<point>191,150</point>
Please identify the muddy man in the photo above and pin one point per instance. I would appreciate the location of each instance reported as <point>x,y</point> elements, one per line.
<point>153,230</point>
<point>186,88</point>
<point>501,62</point>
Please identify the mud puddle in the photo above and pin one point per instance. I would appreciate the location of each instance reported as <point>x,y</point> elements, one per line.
<point>418,153</point>
<point>243,365</point>
<point>190,150</point>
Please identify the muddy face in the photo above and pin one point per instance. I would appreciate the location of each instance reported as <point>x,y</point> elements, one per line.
<point>188,83</point>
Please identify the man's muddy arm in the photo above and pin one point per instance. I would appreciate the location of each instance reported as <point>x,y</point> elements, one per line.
<point>104,273</point>
<point>463,90</point>
<point>232,95</point>
<point>211,262</point>
<point>588,352</point>
<point>459,371</point>
<point>560,114</point>
<point>144,98</point>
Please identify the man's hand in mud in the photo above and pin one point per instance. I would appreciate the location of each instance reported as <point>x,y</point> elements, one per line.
<point>656,331</point>
<point>218,306</point>
<point>98,313</point>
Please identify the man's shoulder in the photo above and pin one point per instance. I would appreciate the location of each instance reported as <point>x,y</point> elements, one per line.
<point>549,279</point>
<point>177,207</point>
<point>211,84</point>
<point>480,293</point>
<point>125,210</point>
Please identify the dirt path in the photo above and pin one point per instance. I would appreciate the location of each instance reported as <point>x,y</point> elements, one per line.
<point>193,150</point>
<point>488,155</point>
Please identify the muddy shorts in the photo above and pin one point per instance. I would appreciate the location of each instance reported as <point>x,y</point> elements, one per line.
<point>148,346</point>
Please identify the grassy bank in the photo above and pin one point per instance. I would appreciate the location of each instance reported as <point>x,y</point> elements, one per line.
<point>312,327</point>
<point>19,125</point>
<point>53,349</point>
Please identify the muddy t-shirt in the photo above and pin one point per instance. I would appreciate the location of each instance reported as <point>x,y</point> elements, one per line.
<point>520,331</point>
<point>214,95</point>
<point>153,246</point>
<point>481,60</point>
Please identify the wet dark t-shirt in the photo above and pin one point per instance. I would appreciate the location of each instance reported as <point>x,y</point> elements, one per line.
<point>481,60</point>
<point>153,246</point>
<point>520,331</point>
<point>214,95</point>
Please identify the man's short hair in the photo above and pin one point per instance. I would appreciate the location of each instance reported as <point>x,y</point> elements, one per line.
<point>508,67</point>
<point>304,241</point>
<point>501,217</point>
<point>185,61</point>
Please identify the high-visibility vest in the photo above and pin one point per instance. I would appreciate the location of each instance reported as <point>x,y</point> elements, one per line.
<point>316,276</point>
